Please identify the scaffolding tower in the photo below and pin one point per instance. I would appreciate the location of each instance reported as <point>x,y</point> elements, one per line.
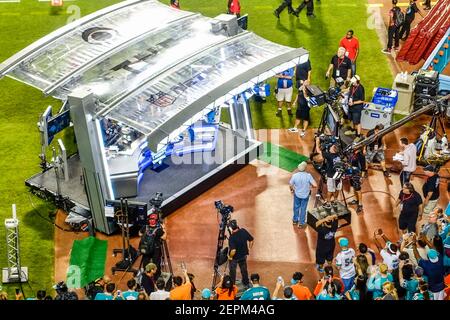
<point>14,272</point>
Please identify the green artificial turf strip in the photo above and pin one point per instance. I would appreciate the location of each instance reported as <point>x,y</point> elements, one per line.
<point>281,157</point>
<point>87,261</point>
<point>25,22</point>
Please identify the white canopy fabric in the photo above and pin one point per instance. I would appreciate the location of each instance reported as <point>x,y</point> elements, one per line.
<point>154,68</point>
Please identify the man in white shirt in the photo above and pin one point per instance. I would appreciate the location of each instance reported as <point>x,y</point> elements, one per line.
<point>390,256</point>
<point>409,160</point>
<point>389,252</point>
<point>160,294</point>
<point>345,265</point>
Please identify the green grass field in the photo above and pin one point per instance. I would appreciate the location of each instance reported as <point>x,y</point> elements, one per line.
<point>25,22</point>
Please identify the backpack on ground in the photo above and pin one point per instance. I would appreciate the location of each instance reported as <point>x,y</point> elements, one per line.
<point>399,17</point>
<point>148,242</point>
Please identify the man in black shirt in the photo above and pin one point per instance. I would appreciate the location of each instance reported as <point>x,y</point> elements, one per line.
<point>375,150</point>
<point>410,209</point>
<point>430,189</point>
<point>286,3</point>
<point>303,73</point>
<point>356,103</point>
<point>341,67</point>
<point>156,232</point>
<point>358,163</point>
<point>409,18</point>
<point>326,230</point>
<point>148,280</point>
<point>239,242</point>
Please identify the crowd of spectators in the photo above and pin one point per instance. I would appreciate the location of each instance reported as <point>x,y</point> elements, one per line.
<point>414,267</point>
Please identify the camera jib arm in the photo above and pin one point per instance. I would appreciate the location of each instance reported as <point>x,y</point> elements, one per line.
<point>435,106</point>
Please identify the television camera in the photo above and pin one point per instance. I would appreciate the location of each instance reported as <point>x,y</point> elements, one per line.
<point>225,211</point>
<point>221,252</point>
<point>156,202</point>
<point>332,95</point>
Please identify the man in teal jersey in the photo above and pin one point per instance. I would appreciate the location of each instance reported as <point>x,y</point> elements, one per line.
<point>131,294</point>
<point>257,292</point>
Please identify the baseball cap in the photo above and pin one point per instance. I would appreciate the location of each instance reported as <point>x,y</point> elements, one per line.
<point>206,293</point>
<point>433,255</point>
<point>151,266</point>
<point>302,166</point>
<point>430,168</point>
<point>392,247</point>
<point>355,78</point>
<point>343,242</point>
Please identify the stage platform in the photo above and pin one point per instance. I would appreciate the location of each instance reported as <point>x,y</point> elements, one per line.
<point>181,179</point>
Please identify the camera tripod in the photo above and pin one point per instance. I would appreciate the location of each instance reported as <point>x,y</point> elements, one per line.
<point>221,254</point>
<point>129,253</point>
<point>437,122</point>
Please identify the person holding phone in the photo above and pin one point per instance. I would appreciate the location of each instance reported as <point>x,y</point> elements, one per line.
<point>181,291</point>
<point>288,293</point>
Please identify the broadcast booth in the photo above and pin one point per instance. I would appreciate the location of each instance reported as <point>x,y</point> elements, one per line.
<point>144,85</point>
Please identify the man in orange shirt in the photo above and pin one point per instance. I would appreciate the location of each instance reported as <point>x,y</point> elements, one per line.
<point>181,291</point>
<point>234,7</point>
<point>227,289</point>
<point>300,291</point>
<point>351,45</point>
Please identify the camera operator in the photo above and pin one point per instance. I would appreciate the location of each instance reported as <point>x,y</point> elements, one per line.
<point>331,157</point>
<point>150,245</point>
<point>239,242</point>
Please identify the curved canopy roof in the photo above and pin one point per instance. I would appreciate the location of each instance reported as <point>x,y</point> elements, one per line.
<point>150,66</point>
